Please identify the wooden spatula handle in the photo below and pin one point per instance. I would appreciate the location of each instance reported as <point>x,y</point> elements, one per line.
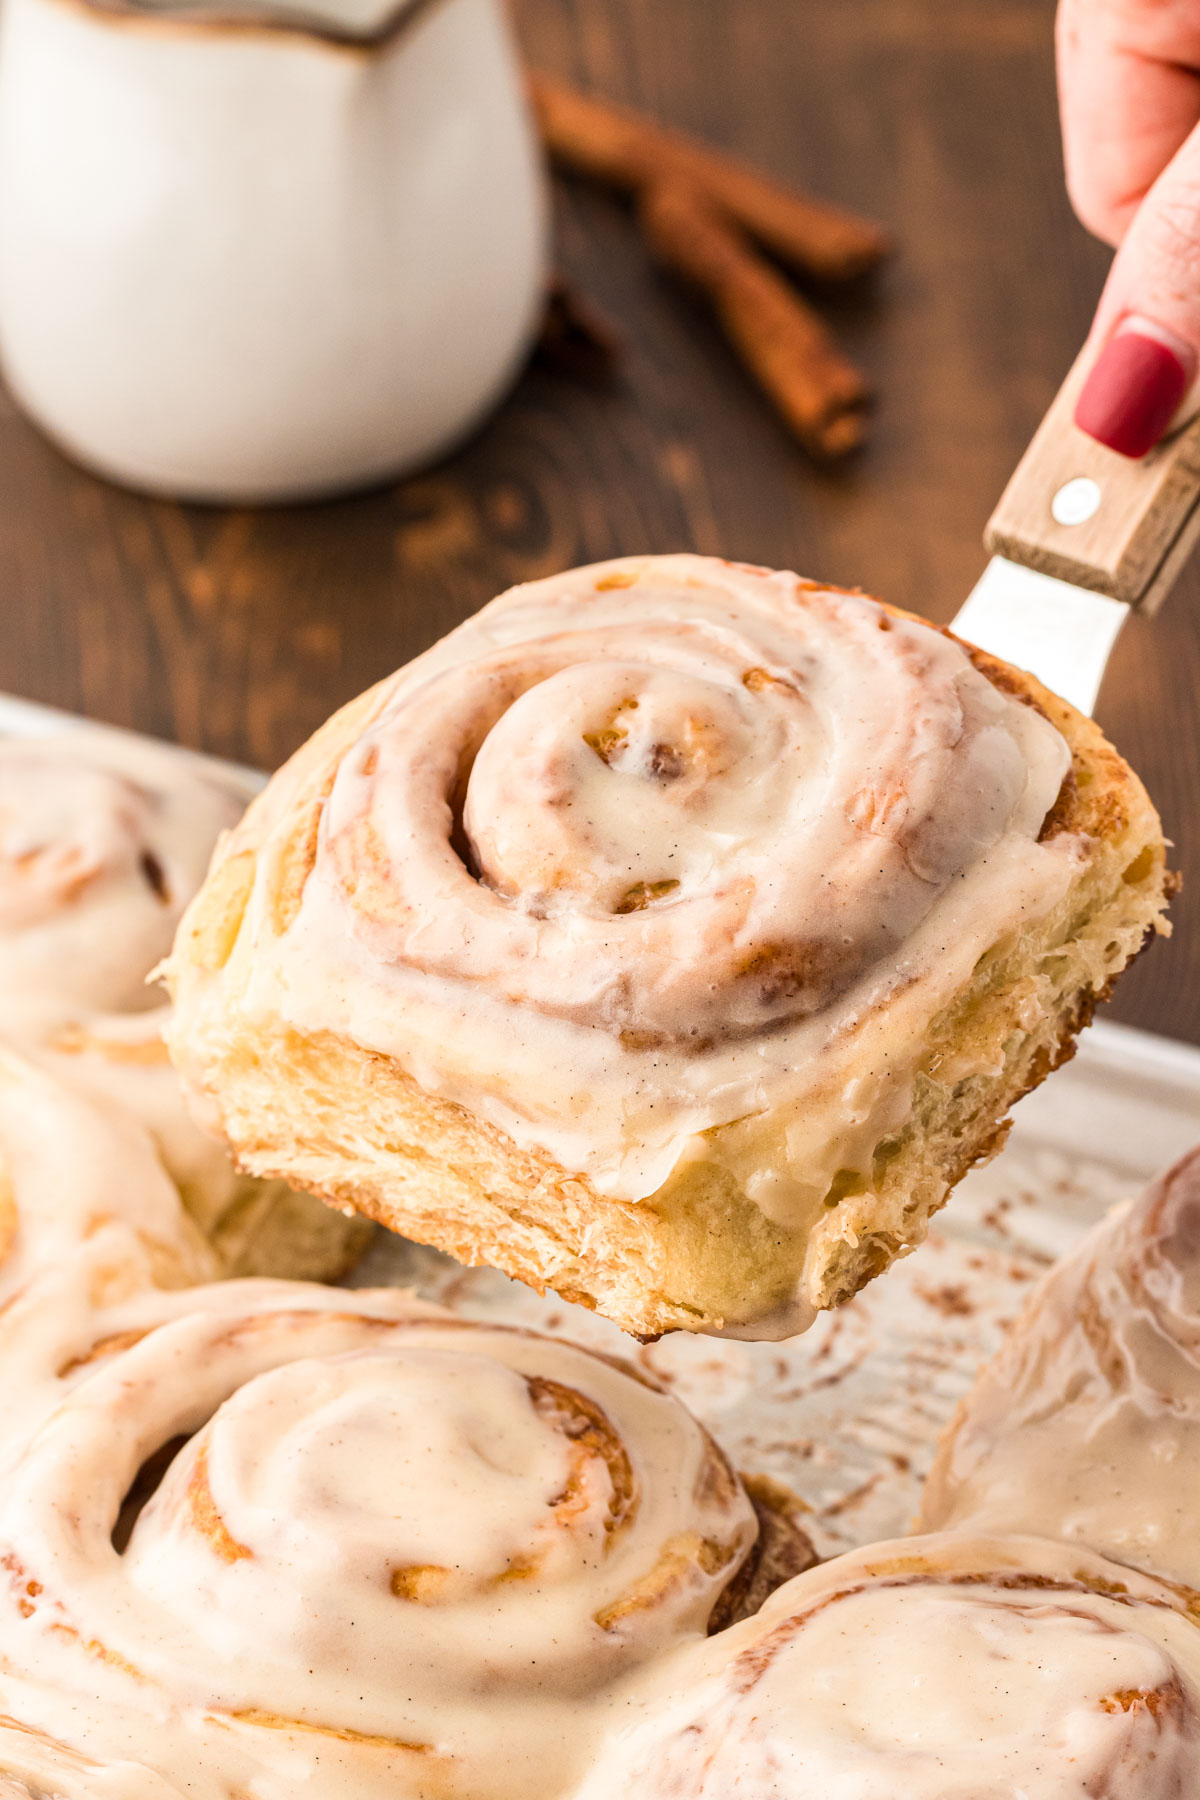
<point>1081,512</point>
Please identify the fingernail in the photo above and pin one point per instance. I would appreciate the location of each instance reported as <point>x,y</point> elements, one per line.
<point>1135,388</point>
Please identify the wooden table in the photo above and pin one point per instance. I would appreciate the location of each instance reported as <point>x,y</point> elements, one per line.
<point>239,631</point>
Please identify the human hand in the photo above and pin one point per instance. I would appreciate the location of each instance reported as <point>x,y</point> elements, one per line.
<point>1129,92</point>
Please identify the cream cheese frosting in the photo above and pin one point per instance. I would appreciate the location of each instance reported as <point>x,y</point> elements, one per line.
<point>395,1554</point>
<point>72,1171</point>
<point>258,1536</point>
<point>103,841</point>
<point>1087,1422</point>
<point>659,846</point>
<point>102,844</point>
<point>934,1668</point>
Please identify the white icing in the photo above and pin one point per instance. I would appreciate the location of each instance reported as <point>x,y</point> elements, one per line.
<point>942,1668</point>
<point>396,1555</point>
<point>70,1170</point>
<point>394,1550</point>
<point>1087,1422</point>
<point>102,845</point>
<point>103,842</point>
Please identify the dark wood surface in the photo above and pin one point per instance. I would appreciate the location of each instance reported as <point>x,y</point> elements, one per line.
<point>239,631</point>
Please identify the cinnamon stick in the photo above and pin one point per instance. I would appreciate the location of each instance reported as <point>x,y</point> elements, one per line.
<point>782,341</point>
<point>627,151</point>
<point>575,338</point>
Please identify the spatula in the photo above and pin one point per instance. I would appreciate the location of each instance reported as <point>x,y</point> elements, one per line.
<point>1081,538</point>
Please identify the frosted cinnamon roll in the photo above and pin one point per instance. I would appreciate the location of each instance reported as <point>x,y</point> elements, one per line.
<point>287,1538</point>
<point>103,841</point>
<point>35,1767</point>
<point>934,1669</point>
<point>72,1173</point>
<point>102,844</point>
<point>1087,1421</point>
<point>674,933</point>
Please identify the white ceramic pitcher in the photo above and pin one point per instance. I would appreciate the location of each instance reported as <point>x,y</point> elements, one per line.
<point>263,254</point>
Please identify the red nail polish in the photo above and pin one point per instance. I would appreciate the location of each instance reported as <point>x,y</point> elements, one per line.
<point>1132,393</point>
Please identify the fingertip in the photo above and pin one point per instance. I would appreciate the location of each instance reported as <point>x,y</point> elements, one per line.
<point>1105,214</point>
<point>1135,387</point>
<point>1103,203</point>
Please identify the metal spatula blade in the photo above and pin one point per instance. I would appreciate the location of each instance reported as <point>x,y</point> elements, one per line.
<point>1082,538</point>
<point>1061,633</point>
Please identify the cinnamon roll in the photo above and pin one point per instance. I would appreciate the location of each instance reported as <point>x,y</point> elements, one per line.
<point>74,1173</point>
<point>674,934</point>
<point>272,1537</point>
<point>36,1767</point>
<point>102,844</point>
<point>934,1668</point>
<point>103,841</point>
<point>1086,1423</point>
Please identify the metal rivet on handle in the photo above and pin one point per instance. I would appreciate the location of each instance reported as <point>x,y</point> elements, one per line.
<point>1076,501</point>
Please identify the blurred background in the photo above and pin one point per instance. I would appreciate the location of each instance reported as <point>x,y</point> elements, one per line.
<point>238,630</point>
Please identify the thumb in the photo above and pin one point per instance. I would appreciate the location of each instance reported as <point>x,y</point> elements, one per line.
<point>1146,336</point>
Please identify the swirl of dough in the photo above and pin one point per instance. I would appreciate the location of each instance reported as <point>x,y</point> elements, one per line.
<point>392,1549</point>
<point>102,845</point>
<point>1086,1423</point>
<point>933,1668</point>
<point>674,809</point>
